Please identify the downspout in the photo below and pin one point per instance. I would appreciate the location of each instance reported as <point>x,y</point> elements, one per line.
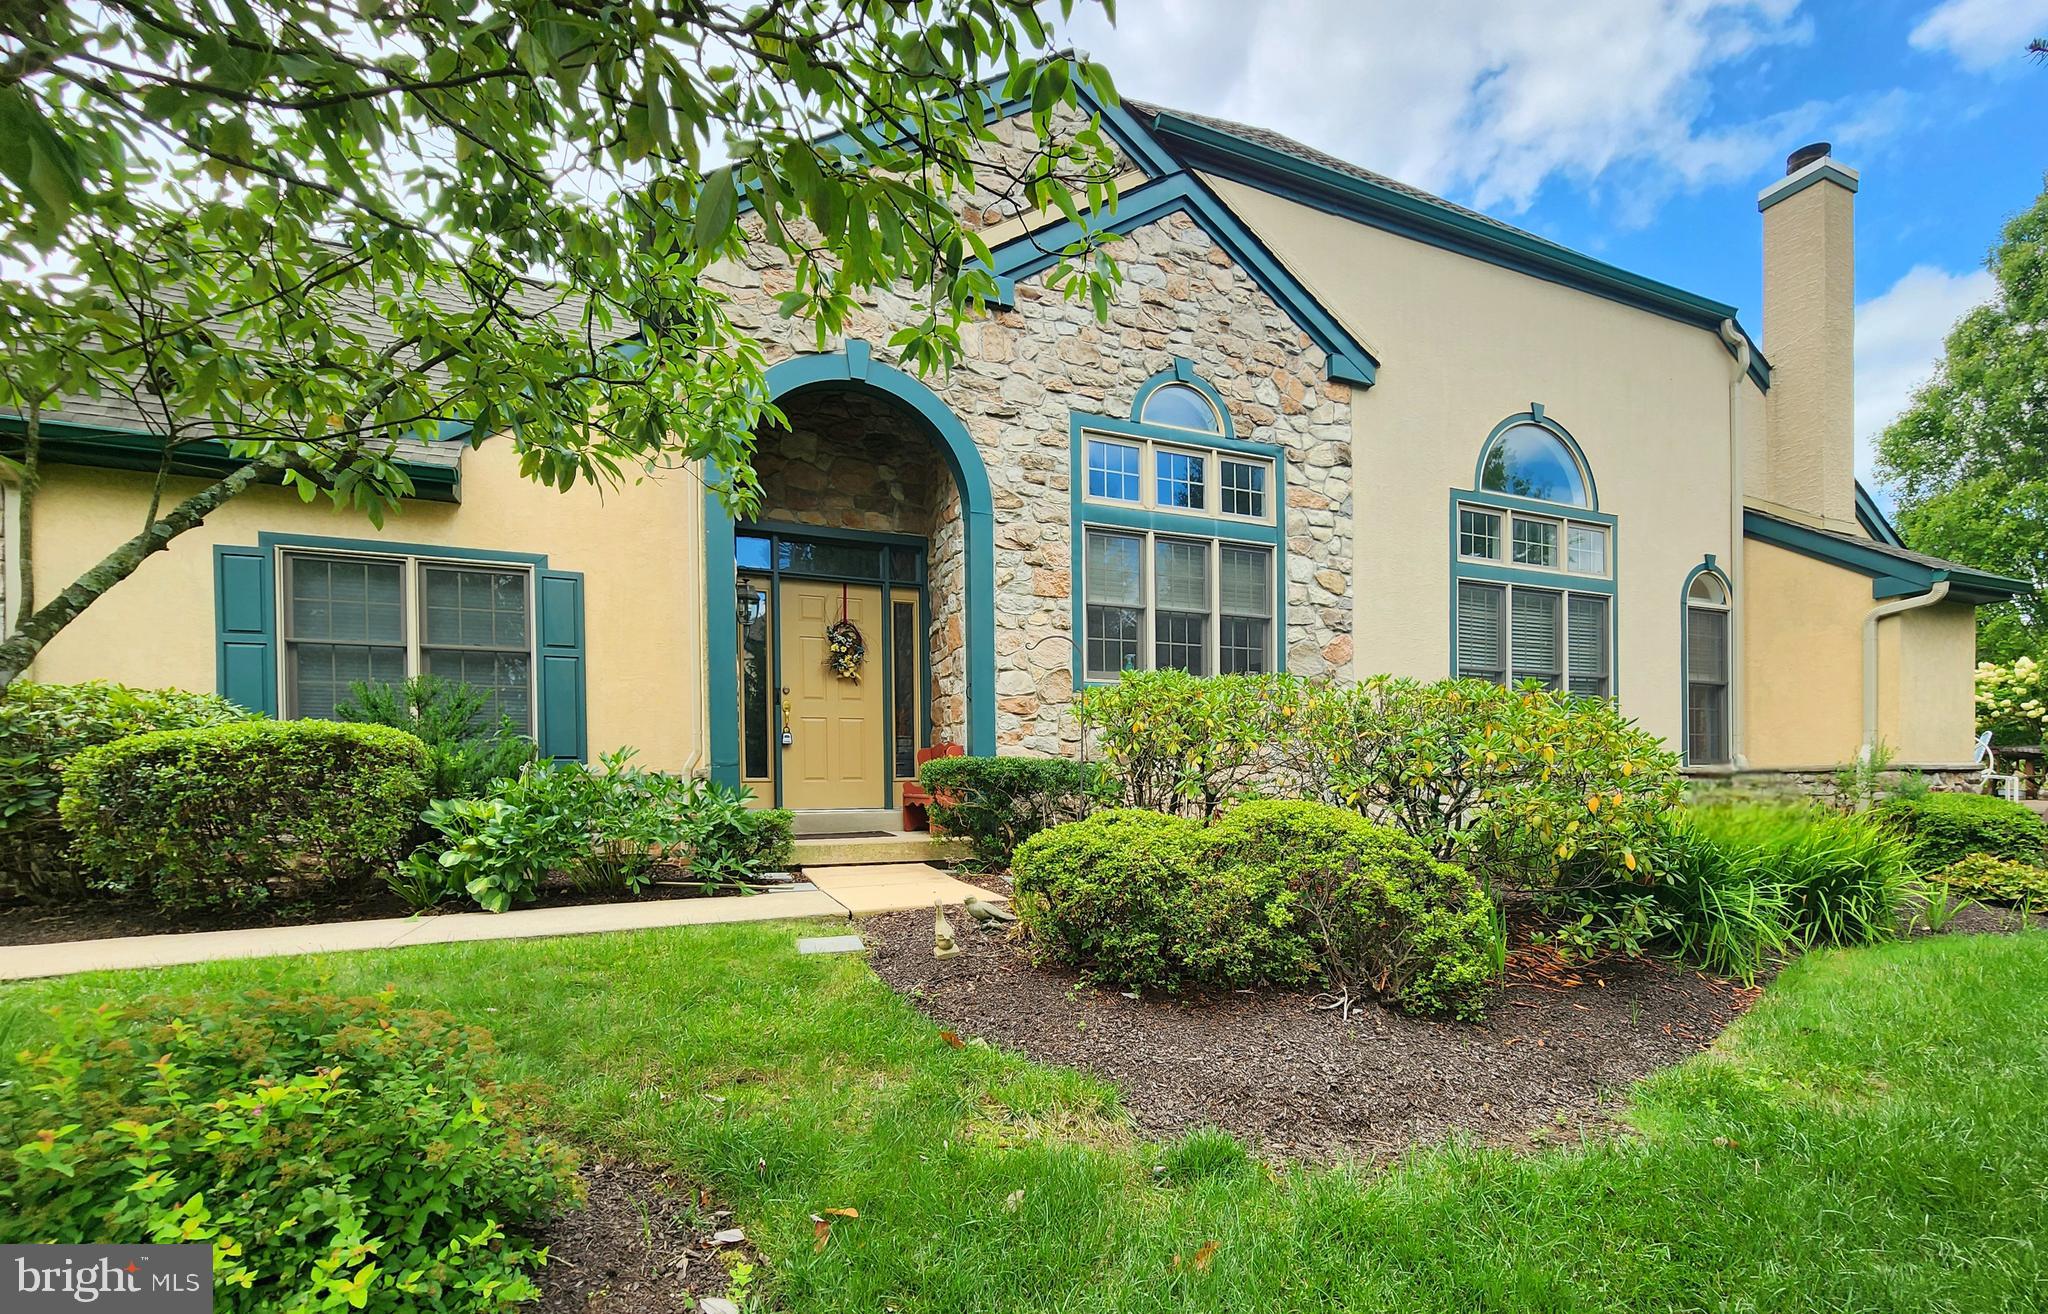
<point>1737,677</point>
<point>1870,620</point>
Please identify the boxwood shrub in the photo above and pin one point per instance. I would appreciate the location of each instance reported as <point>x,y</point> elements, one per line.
<point>338,1153</point>
<point>1274,893</point>
<point>42,727</point>
<point>996,803</point>
<point>232,813</point>
<point>1946,827</point>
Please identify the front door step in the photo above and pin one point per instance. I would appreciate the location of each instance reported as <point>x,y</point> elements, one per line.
<point>816,851</point>
<point>845,821</point>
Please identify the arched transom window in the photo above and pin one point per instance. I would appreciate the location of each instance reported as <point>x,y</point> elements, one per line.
<point>1528,460</point>
<point>1181,406</point>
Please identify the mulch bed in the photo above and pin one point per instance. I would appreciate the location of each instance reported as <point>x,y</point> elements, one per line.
<point>101,916</point>
<point>1299,1082</point>
<point>644,1244</point>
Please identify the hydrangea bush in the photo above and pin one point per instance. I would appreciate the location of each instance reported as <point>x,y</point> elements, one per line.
<point>2012,701</point>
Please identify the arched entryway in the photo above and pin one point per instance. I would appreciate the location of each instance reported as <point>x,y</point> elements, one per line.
<point>858,520</point>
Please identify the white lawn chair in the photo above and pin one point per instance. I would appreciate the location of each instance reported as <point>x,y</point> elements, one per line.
<point>2009,783</point>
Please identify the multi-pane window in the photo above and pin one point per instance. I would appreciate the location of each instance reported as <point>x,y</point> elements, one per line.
<point>1159,601</point>
<point>1244,598</point>
<point>1180,479</point>
<point>1243,488</point>
<point>1113,471</point>
<point>1533,541</point>
<point>1478,533</point>
<point>1707,664</point>
<point>376,620</point>
<point>1181,483</point>
<point>1180,605</point>
<point>1114,566</point>
<point>1508,633</point>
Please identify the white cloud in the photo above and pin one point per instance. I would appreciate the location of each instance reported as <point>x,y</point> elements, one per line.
<point>1488,100</point>
<point>1899,336</point>
<point>1982,34</point>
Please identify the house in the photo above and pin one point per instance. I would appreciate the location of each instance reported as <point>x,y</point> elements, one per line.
<point>1333,425</point>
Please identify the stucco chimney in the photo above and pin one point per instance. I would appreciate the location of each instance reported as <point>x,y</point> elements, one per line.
<point>1810,335</point>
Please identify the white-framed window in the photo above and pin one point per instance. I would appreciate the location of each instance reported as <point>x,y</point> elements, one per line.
<point>377,619</point>
<point>1532,542</point>
<point>1707,662</point>
<point>1162,600</point>
<point>1165,476</point>
<point>1508,633</point>
<point>1113,471</point>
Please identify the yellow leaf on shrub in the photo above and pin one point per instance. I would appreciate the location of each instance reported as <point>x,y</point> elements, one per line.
<point>1628,859</point>
<point>1593,803</point>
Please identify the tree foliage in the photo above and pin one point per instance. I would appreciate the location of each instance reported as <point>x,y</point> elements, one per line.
<point>1970,456</point>
<point>310,230</point>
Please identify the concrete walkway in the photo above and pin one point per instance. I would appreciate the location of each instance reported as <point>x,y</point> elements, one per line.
<point>842,892</point>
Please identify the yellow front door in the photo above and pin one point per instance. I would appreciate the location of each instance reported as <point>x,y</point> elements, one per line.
<point>834,756</point>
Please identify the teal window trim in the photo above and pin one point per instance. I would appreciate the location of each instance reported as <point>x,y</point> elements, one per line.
<point>1556,581</point>
<point>1348,359</point>
<point>1707,566</point>
<point>1183,371</point>
<point>1535,416</point>
<point>1084,514</point>
<point>955,446</point>
<point>111,447</point>
<point>250,650</point>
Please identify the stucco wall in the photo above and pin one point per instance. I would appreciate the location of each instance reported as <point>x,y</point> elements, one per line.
<point>1805,671</point>
<point>640,548</point>
<point>1809,329</point>
<point>1462,345</point>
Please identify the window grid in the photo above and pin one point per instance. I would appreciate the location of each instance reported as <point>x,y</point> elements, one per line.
<point>1533,541</point>
<point>468,622</point>
<point>1113,471</point>
<point>1183,481</point>
<point>1243,485</point>
<point>1478,534</point>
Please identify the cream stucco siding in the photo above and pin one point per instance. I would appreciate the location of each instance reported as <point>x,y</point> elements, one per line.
<point>1805,687</point>
<point>1463,344</point>
<point>640,549</point>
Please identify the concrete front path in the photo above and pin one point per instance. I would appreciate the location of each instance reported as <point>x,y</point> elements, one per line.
<point>860,891</point>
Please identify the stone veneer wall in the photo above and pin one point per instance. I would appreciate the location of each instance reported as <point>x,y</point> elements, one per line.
<point>1026,371</point>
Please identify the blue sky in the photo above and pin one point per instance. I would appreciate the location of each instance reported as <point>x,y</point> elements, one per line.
<point>1641,130</point>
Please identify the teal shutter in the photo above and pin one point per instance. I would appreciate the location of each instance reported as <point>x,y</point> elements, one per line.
<point>560,680</point>
<point>245,627</point>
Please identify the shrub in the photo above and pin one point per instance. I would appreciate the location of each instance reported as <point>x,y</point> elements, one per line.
<point>1529,788</point>
<point>466,750</point>
<point>1274,893</point>
<point>1106,894</point>
<point>1944,828</point>
<point>338,1153</point>
<point>1181,743</point>
<point>42,726</point>
<point>997,803</point>
<point>222,813</point>
<point>1842,877</point>
<point>1996,880</point>
<point>604,830</point>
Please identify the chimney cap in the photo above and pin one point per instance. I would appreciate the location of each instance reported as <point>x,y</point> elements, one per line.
<point>1806,155</point>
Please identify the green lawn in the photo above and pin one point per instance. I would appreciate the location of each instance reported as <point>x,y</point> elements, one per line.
<point>1873,1137</point>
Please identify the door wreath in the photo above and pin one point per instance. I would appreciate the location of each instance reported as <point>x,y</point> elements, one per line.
<point>846,649</point>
